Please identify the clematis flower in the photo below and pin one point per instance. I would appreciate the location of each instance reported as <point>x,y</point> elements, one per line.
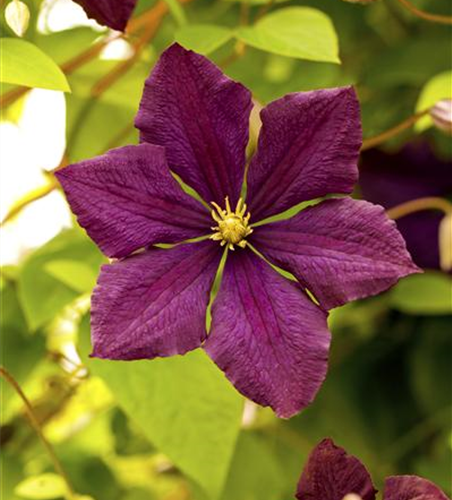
<point>332,474</point>
<point>111,13</point>
<point>411,173</point>
<point>267,335</point>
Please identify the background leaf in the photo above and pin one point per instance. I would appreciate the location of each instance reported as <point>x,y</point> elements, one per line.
<point>185,407</point>
<point>439,87</point>
<point>203,38</point>
<point>428,293</point>
<point>44,487</point>
<point>25,64</point>
<point>300,32</point>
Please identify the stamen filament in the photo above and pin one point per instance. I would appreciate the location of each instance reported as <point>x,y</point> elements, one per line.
<point>233,226</point>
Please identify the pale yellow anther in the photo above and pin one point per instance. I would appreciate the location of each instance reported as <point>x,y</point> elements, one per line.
<point>233,226</point>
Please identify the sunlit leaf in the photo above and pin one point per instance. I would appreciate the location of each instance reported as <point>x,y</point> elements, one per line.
<point>185,407</point>
<point>436,89</point>
<point>42,295</point>
<point>177,11</point>
<point>24,64</point>
<point>76,275</point>
<point>44,487</point>
<point>203,38</point>
<point>300,32</point>
<point>428,293</point>
<point>256,473</point>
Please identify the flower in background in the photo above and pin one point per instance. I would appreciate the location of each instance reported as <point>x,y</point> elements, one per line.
<point>332,474</point>
<point>111,13</point>
<point>267,335</point>
<point>410,174</point>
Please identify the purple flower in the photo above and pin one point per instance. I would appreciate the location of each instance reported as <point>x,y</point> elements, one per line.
<point>267,335</point>
<point>111,13</point>
<point>413,172</point>
<point>332,474</point>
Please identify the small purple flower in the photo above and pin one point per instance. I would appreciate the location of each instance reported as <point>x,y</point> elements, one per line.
<point>413,172</point>
<point>267,335</point>
<point>111,13</point>
<point>332,474</point>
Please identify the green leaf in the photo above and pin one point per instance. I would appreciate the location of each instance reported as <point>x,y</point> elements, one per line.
<point>256,473</point>
<point>300,32</point>
<point>437,88</point>
<point>42,295</point>
<point>21,351</point>
<point>203,38</point>
<point>43,487</point>
<point>76,275</point>
<point>428,293</point>
<point>184,405</point>
<point>24,64</point>
<point>177,11</point>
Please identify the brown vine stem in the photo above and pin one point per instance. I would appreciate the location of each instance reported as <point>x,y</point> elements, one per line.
<point>4,373</point>
<point>418,205</point>
<point>392,132</point>
<point>35,194</point>
<point>122,134</point>
<point>123,67</point>
<point>264,9</point>
<point>434,18</point>
<point>152,17</point>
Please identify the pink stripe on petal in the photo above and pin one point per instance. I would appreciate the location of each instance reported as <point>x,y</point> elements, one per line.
<point>341,250</point>
<point>267,336</point>
<point>308,147</point>
<point>127,199</point>
<point>201,117</point>
<point>154,304</point>
<point>331,474</point>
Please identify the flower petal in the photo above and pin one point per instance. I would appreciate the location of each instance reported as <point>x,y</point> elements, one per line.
<point>331,473</point>
<point>112,13</point>
<point>201,117</point>
<point>341,250</point>
<point>267,336</point>
<point>127,199</point>
<point>308,148</point>
<point>154,304</point>
<point>411,488</point>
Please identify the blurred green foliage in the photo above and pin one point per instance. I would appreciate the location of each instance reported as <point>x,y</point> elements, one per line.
<point>172,429</point>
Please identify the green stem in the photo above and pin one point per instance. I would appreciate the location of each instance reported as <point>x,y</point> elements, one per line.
<point>37,427</point>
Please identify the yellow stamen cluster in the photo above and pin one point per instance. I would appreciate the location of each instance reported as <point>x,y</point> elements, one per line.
<point>233,227</point>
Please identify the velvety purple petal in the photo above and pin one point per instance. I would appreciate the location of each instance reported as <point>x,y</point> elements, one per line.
<point>112,13</point>
<point>268,337</point>
<point>413,172</point>
<point>331,473</point>
<point>341,250</point>
<point>411,488</point>
<point>128,199</point>
<point>308,147</point>
<point>154,303</point>
<point>201,117</point>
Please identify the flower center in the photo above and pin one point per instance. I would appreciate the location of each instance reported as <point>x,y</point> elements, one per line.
<point>233,227</point>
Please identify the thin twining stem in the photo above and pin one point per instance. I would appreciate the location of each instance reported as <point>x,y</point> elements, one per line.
<point>263,10</point>
<point>37,427</point>
<point>418,205</point>
<point>434,18</point>
<point>148,18</point>
<point>394,131</point>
